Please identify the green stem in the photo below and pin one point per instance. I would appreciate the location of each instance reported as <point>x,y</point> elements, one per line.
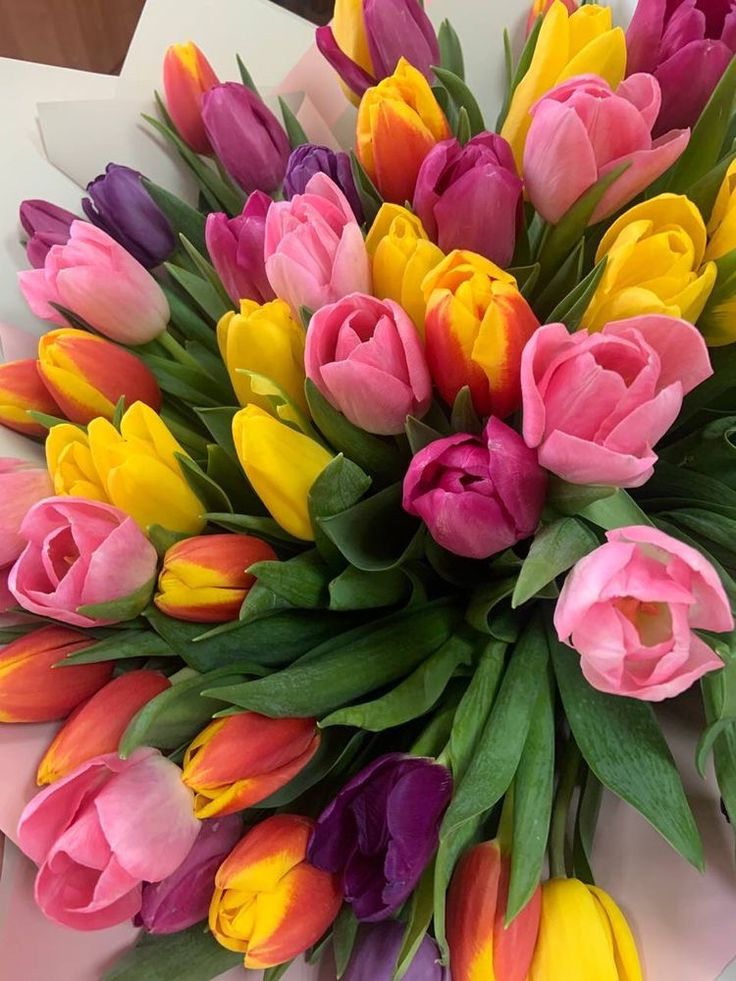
<point>176,351</point>
<point>187,437</point>
<point>558,827</point>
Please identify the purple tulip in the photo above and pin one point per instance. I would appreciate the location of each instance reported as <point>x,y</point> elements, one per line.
<point>183,899</point>
<point>308,160</point>
<point>375,953</point>
<point>477,495</point>
<point>470,197</point>
<point>687,45</point>
<point>381,831</point>
<point>119,204</point>
<point>236,245</point>
<point>45,224</point>
<point>248,140</point>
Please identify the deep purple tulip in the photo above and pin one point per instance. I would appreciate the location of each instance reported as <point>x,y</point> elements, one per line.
<point>183,899</point>
<point>308,160</point>
<point>470,197</point>
<point>236,245</point>
<point>119,204</point>
<point>247,138</point>
<point>45,224</point>
<point>381,831</point>
<point>374,956</point>
<point>687,45</point>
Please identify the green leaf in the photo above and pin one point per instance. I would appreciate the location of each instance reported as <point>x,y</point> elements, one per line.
<point>704,192</point>
<point>675,487</point>
<point>724,758</point>
<point>297,136</point>
<point>615,511</point>
<point>206,271</point>
<point>191,955</point>
<point>246,76</point>
<point>191,385</point>
<point>301,581</point>
<point>420,916</point>
<point>219,422</point>
<point>370,198</point>
<point>521,69</point>
<point>277,972</point>
<point>254,524</point>
<point>340,485</point>
<point>484,600</point>
<point>451,51</point>
<point>357,590</point>
<point>463,98</point>
<point>586,820</point>
<point>723,360</point>
<point>344,935</point>
<point>571,499</point>
<point>212,496</point>
<point>464,418</point>
<point>188,321</point>
<point>227,474</point>
<point>420,434</point>
<point>571,310</point>
<point>124,608</point>
<point>120,645</point>
<point>563,280</point>
<point>554,550</point>
<point>474,708</point>
<point>201,290</point>
<point>526,277</point>
<point>183,218</point>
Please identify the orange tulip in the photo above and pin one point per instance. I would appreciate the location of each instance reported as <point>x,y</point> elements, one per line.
<point>187,76</point>
<point>22,391</point>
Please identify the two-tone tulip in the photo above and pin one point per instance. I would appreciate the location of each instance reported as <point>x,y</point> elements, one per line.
<point>718,320</point>
<point>270,904</point>
<point>70,464</point>
<point>281,465</point>
<point>45,224</point>
<point>187,76</point>
<point>87,375</point>
<point>540,8</point>
<point>22,391</point>
<point>399,121</point>
<point>97,726</point>
<point>240,760</point>
<point>481,945</point>
<point>476,326</point>
<point>236,245</point>
<point>21,486</point>
<point>33,690</point>
<point>204,578</point>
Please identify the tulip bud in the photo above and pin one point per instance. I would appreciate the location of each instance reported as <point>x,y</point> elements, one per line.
<point>541,7</point>
<point>722,223</point>
<point>204,578</point>
<point>97,726</point>
<point>21,486</point>
<point>377,950</point>
<point>249,141</point>
<point>240,760</point>
<point>32,689</point>
<point>187,76</point>
<point>22,391</point>
<point>307,160</point>
<point>269,903</point>
<point>87,375</point>
<point>46,224</point>
<point>236,247</point>
<point>70,464</point>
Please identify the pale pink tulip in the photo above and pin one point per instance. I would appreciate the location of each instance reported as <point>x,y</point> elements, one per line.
<point>630,610</point>
<point>21,486</point>
<point>596,404</point>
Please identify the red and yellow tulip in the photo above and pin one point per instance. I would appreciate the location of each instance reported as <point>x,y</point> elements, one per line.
<point>22,391</point>
<point>187,76</point>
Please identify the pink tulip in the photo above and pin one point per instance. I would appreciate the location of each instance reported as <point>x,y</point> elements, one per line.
<point>367,359</point>
<point>582,130</point>
<point>98,834</point>
<point>630,609</point>
<point>21,485</point>
<point>315,252</point>
<point>235,246</point>
<point>596,404</point>
<point>98,280</point>
<point>81,553</point>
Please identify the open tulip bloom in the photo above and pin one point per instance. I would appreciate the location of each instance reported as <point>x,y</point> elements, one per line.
<point>381,494</point>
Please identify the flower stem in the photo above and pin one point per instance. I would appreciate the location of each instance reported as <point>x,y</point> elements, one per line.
<point>558,827</point>
<point>176,350</point>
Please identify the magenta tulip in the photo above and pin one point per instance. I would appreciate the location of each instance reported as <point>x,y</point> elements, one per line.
<point>630,610</point>
<point>315,252</point>
<point>477,495</point>
<point>367,359</point>
<point>21,486</point>
<point>596,404</point>
<point>582,130</point>
<point>469,197</point>
<point>46,224</point>
<point>236,245</point>
<point>98,834</point>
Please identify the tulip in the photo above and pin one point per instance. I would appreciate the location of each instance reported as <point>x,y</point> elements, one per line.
<point>102,831</point>
<point>718,320</point>
<point>187,76</point>
<point>640,370</point>
<point>307,160</point>
<point>22,391</point>
<point>80,554</point>
<point>470,197</point>
<point>119,204</point>
<point>381,831</point>
<point>100,282</point>
<point>32,689</point>
<point>281,465</point>
<point>236,246</point>
<point>631,608</point>
<point>377,950</point>
<point>476,326</point>
<point>183,898</point>
<point>21,486</point>
<point>687,45</point>
<point>564,155</point>
<point>88,375</point>
<point>269,903</point>
<point>204,578</point>
<point>367,359</point>
<point>481,945</point>
<point>97,726</point>
<point>315,253</point>
<point>540,8</point>
<point>477,495</point>
<point>46,224</point>
<point>582,935</point>
<point>654,254</point>
<point>367,38</point>
<point>240,760</point>
<point>139,470</point>
<point>569,44</point>
<point>267,341</point>
<point>402,256</point>
<point>722,224</point>
<point>70,464</point>
<point>248,140</point>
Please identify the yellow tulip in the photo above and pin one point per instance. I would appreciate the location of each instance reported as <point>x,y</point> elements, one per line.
<point>584,42</point>
<point>281,465</point>
<point>655,253</point>
<point>722,224</point>
<point>70,464</point>
<point>402,256</point>
<point>348,28</point>
<point>583,936</point>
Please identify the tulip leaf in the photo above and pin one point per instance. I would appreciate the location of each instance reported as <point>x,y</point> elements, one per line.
<point>564,279</point>
<point>254,524</point>
<point>370,198</point>
<point>121,609</point>
<point>526,277</point>
<point>201,290</point>
<point>622,743</point>
<point>188,322</point>
<point>616,510</point>
<point>354,589</point>
<point>44,419</point>
<point>462,97</point>
<point>227,474</point>
<point>521,69</point>
<point>340,485</point>
<point>586,820</point>
<point>277,972</point>
<point>555,549</point>
<point>219,422</point>
<point>474,708</point>
<point>571,310</point>
<point>724,758</point>
<point>420,434</point>
<point>183,218</point>
<point>451,51</point>
<point>464,418</point>
<point>419,917</point>
<point>571,499</point>
<point>301,581</point>
<point>704,192</point>
<point>462,127</point>
<point>206,271</point>
<point>209,493</point>
<point>344,935</point>
<point>122,644</point>
<point>484,599</point>
<point>259,602</point>
<point>677,487</point>
<point>719,699</point>
<point>246,76</point>
<point>191,385</point>
<point>335,751</point>
<point>190,955</point>
<point>297,136</point>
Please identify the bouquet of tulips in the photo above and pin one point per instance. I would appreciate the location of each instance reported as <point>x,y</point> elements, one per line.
<point>386,489</point>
